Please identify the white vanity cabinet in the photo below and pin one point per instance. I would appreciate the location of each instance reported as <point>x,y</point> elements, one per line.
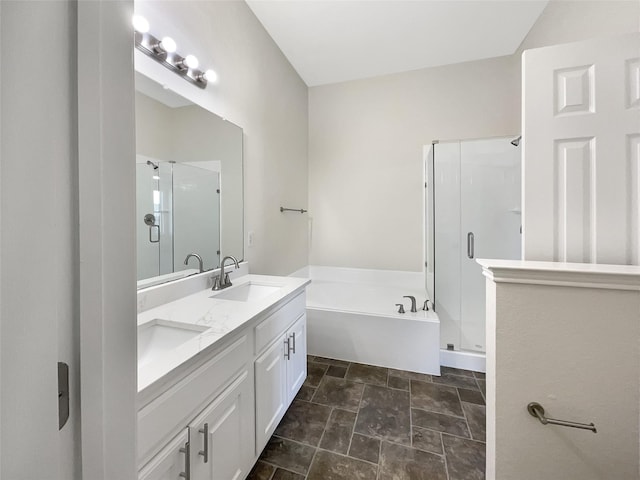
<point>211,418</point>
<point>280,370</point>
<point>297,362</point>
<point>271,391</point>
<point>171,462</point>
<point>222,435</point>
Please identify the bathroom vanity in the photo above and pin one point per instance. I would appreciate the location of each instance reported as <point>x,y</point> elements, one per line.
<point>216,373</point>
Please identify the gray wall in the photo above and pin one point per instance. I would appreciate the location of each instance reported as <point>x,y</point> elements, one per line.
<point>366,138</point>
<point>365,154</point>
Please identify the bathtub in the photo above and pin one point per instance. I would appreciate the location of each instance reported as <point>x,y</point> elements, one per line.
<point>351,315</point>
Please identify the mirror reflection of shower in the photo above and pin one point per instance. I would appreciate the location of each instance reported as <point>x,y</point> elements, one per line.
<point>154,165</point>
<point>150,218</point>
<point>177,213</point>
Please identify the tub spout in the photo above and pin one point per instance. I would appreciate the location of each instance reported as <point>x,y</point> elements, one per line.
<point>413,302</point>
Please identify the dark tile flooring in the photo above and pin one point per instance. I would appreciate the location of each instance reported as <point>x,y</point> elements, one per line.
<point>358,422</point>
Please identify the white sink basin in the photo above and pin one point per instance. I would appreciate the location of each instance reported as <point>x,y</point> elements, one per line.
<point>157,337</point>
<point>247,292</point>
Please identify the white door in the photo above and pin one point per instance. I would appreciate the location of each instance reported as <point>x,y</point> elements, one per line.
<point>271,391</point>
<point>38,224</point>
<point>297,363</point>
<point>581,127</point>
<point>221,438</point>
<point>170,462</point>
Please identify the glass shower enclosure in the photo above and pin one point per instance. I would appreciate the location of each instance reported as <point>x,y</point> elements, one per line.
<point>472,211</point>
<point>177,213</point>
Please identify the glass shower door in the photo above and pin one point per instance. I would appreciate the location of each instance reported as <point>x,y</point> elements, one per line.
<point>476,214</point>
<point>447,246</point>
<point>490,224</point>
<point>196,216</point>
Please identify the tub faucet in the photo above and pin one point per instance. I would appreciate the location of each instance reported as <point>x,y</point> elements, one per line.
<point>413,302</point>
<point>401,309</point>
<point>222,280</point>
<point>426,305</point>
<point>186,260</point>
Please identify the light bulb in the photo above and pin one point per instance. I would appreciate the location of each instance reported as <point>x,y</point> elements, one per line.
<point>168,44</point>
<point>191,61</point>
<point>210,76</point>
<point>140,24</point>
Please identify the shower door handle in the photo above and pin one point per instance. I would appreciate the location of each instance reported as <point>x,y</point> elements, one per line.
<point>151,227</point>
<point>470,245</point>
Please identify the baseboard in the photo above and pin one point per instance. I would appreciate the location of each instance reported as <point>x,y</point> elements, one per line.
<point>465,360</point>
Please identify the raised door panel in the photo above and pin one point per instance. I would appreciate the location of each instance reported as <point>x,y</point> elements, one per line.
<point>581,121</point>
<point>297,363</point>
<point>222,436</point>
<point>271,392</point>
<point>170,462</point>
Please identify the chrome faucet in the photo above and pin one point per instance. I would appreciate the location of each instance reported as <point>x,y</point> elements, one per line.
<point>413,302</point>
<point>222,280</point>
<point>186,260</point>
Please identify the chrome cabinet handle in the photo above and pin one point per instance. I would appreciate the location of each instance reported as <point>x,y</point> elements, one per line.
<point>293,336</point>
<point>470,245</point>
<point>287,353</point>
<point>151,227</point>
<point>205,452</point>
<point>187,466</point>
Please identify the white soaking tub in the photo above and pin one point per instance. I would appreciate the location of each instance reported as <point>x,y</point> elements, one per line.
<point>351,315</point>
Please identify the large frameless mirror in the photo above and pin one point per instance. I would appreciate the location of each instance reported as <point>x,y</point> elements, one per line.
<point>189,197</point>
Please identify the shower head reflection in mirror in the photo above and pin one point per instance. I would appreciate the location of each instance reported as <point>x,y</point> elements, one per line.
<point>189,178</point>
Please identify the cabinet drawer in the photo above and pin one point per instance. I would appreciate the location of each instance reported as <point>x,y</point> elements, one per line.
<point>170,462</point>
<point>276,323</point>
<point>175,408</point>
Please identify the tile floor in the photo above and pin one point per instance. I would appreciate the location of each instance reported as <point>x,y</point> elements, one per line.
<point>358,422</point>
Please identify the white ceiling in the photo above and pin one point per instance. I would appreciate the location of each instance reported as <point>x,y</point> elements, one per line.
<point>329,41</point>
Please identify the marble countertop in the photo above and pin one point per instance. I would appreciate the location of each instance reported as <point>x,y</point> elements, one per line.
<point>220,317</point>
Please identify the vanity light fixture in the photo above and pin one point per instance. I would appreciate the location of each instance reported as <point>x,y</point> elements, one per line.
<point>166,45</point>
<point>209,76</point>
<point>188,62</point>
<point>140,24</point>
<point>164,51</point>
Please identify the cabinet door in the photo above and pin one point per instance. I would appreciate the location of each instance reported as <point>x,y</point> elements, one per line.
<point>222,439</point>
<point>297,364</point>
<point>271,391</point>
<point>170,462</point>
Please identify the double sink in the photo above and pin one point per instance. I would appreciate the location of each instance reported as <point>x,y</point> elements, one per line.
<point>157,337</point>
